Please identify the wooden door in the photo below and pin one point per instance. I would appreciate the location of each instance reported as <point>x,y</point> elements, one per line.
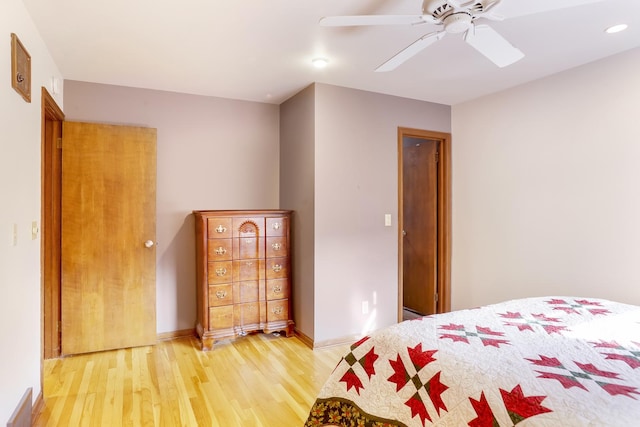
<point>420,223</point>
<point>108,214</point>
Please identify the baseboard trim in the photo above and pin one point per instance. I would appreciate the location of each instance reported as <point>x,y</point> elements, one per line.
<point>337,341</point>
<point>38,405</point>
<point>309,342</point>
<point>183,333</point>
<point>304,338</point>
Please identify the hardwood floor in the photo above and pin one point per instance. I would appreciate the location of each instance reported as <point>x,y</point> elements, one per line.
<point>257,380</point>
<point>408,314</point>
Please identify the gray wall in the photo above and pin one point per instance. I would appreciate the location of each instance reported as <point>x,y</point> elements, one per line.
<point>213,153</point>
<point>339,172</point>
<point>355,184</point>
<point>297,182</point>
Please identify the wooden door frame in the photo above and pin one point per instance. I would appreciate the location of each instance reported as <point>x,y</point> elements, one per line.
<point>443,283</point>
<point>50,221</point>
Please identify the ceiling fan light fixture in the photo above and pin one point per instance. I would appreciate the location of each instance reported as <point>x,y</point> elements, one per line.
<point>616,28</point>
<point>320,62</point>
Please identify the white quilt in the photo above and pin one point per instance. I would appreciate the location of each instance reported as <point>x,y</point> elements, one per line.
<point>552,361</point>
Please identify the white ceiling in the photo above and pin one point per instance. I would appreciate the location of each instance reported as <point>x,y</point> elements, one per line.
<point>261,50</point>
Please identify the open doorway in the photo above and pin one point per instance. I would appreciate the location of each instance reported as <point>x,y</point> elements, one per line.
<point>424,222</point>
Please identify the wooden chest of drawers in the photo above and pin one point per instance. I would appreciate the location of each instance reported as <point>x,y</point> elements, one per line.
<point>243,273</point>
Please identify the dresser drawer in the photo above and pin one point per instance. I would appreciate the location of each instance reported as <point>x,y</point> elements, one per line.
<point>219,249</point>
<point>220,295</point>
<point>277,310</point>
<point>277,226</point>
<point>277,268</point>
<point>219,228</point>
<point>219,272</point>
<point>251,269</point>
<point>221,317</point>
<point>277,289</point>
<point>249,248</point>
<point>247,314</point>
<point>277,246</point>
<point>248,291</point>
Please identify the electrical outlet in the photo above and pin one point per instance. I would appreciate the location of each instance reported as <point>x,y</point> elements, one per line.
<point>365,307</point>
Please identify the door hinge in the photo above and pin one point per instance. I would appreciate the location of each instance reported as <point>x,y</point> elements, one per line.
<point>437,156</point>
<point>59,326</point>
<point>435,297</point>
<point>59,143</point>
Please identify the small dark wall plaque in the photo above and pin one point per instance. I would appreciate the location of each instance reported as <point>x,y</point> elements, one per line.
<point>20,68</point>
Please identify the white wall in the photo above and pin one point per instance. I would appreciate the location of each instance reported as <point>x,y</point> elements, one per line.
<point>546,188</point>
<point>20,192</point>
<point>213,153</point>
<point>356,184</point>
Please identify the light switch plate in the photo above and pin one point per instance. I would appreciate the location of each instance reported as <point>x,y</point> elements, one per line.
<point>14,235</point>
<point>387,220</point>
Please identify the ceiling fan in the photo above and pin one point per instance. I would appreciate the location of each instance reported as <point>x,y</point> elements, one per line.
<point>454,16</point>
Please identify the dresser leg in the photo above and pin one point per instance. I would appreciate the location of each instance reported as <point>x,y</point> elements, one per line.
<point>207,343</point>
<point>289,330</point>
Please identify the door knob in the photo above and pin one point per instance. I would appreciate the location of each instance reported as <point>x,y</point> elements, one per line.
<point>404,233</point>
<point>148,243</point>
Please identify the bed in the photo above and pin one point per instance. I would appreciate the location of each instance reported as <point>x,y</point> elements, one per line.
<point>552,361</point>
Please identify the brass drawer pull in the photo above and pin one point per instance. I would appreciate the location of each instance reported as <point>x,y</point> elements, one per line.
<point>276,310</point>
<point>221,229</point>
<point>221,294</point>
<point>277,268</point>
<point>221,251</point>
<point>276,226</point>
<point>276,246</point>
<point>277,289</point>
<point>221,271</point>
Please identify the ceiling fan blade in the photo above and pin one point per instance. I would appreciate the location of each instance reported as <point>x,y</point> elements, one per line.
<point>488,14</point>
<point>358,20</point>
<point>492,45</point>
<point>491,5</point>
<point>512,9</point>
<point>457,4</point>
<point>410,51</point>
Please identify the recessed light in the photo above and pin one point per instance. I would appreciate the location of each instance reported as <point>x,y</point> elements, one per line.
<point>616,28</point>
<point>320,62</point>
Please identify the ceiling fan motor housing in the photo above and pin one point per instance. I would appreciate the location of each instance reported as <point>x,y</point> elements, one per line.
<point>440,9</point>
<point>458,22</point>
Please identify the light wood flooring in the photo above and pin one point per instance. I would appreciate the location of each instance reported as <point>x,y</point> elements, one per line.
<point>257,380</point>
